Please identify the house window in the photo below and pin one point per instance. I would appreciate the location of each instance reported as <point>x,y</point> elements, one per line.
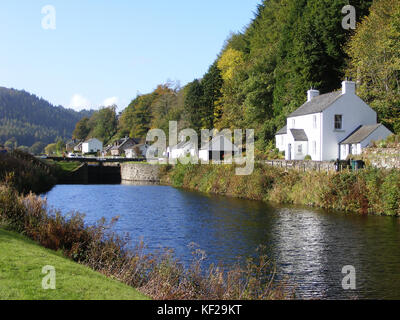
<point>315,122</point>
<point>338,122</point>
<point>300,148</point>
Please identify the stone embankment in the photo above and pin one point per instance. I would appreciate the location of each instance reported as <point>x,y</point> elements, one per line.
<point>140,172</point>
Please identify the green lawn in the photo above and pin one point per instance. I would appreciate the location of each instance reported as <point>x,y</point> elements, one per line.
<point>21,263</point>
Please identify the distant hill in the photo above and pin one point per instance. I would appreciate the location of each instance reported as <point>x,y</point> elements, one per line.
<point>26,119</point>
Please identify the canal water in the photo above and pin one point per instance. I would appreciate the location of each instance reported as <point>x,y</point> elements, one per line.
<point>309,247</point>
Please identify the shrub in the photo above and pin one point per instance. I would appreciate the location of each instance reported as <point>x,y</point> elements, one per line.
<point>159,275</point>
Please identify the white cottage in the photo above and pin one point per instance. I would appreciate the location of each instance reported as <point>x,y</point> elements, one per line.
<point>182,149</point>
<point>138,151</point>
<point>219,148</point>
<point>330,126</point>
<point>92,146</point>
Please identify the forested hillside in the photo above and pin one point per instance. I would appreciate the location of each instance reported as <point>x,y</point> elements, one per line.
<point>26,120</point>
<point>262,74</point>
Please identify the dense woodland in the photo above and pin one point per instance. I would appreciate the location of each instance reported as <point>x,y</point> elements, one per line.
<point>29,121</point>
<point>262,73</point>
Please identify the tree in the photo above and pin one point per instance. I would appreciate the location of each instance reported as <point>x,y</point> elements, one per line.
<point>212,85</point>
<point>82,129</point>
<point>103,124</point>
<point>374,52</point>
<point>37,147</point>
<point>194,104</point>
<point>51,149</point>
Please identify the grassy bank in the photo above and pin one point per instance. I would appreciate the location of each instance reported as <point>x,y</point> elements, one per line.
<point>157,275</point>
<point>21,263</point>
<point>370,191</point>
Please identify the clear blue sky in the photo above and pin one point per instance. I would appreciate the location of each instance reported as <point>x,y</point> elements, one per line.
<point>111,50</point>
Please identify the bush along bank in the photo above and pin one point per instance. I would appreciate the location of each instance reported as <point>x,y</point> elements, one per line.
<point>157,275</point>
<point>368,191</point>
<point>26,173</point>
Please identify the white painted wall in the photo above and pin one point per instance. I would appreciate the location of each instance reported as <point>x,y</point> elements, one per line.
<point>311,124</point>
<point>92,145</point>
<point>185,151</point>
<point>354,111</point>
<point>280,142</point>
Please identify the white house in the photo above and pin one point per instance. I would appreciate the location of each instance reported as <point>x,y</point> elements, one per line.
<point>330,126</point>
<point>182,149</point>
<point>137,151</point>
<point>92,146</point>
<point>219,148</point>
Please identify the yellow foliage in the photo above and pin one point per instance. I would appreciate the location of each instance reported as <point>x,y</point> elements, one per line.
<point>229,62</point>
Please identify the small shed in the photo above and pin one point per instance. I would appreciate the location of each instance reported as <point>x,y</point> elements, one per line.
<point>362,138</point>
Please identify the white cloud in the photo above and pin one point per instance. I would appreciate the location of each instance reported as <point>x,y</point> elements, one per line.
<point>79,102</point>
<point>110,101</point>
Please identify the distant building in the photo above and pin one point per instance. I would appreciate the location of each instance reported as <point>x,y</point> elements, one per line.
<point>121,145</point>
<point>70,145</point>
<point>330,126</point>
<point>107,150</point>
<point>92,146</point>
<point>219,148</point>
<point>182,149</point>
<point>78,147</point>
<point>138,151</point>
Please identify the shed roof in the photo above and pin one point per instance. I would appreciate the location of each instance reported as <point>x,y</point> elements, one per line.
<point>360,134</point>
<point>282,131</point>
<point>317,104</point>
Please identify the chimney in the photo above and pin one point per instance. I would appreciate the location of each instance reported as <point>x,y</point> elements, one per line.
<point>348,86</point>
<point>311,94</point>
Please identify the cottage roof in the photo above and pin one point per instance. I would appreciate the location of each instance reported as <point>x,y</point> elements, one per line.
<point>299,135</point>
<point>317,104</point>
<point>220,143</point>
<point>282,131</point>
<point>91,139</point>
<point>183,145</point>
<point>360,134</point>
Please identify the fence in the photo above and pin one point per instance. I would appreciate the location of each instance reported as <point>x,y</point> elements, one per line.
<point>303,166</point>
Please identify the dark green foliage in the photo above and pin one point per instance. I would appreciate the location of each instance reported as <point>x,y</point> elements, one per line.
<point>26,173</point>
<point>103,124</point>
<point>194,103</point>
<point>82,129</point>
<point>26,119</point>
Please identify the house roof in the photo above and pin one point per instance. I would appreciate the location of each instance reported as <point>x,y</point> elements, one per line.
<point>182,145</point>
<point>216,144</point>
<point>299,135</point>
<point>317,104</point>
<point>282,131</point>
<point>123,141</point>
<point>360,134</point>
<point>91,139</point>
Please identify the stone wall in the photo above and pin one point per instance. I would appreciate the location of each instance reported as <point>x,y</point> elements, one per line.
<point>140,172</point>
<point>387,158</point>
<point>303,165</point>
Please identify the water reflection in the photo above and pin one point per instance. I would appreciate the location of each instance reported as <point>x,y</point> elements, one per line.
<point>309,246</point>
